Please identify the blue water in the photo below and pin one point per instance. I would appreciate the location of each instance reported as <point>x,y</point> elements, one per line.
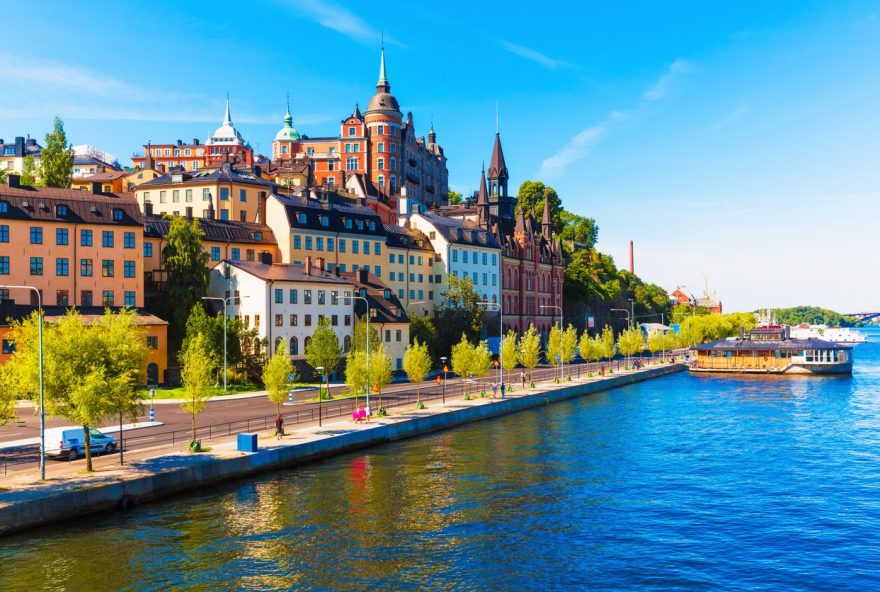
<point>685,482</point>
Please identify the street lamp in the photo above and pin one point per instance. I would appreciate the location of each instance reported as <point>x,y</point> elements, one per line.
<point>624,311</point>
<point>367,302</point>
<point>320,370</point>
<point>632,312</point>
<point>444,359</point>
<point>42,394</point>
<point>225,301</point>
<point>558,324</point>
<point>497,305</point>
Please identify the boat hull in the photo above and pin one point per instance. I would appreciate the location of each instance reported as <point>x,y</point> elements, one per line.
<point>792,369</point>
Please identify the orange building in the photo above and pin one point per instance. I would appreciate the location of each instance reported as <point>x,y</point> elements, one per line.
<point>77,248</point>
<point>109,182</point>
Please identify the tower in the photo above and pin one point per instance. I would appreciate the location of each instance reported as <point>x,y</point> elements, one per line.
<point>383,120</point>
<point>287,140</point>
<point>547,221</point>
<point>483,202</point>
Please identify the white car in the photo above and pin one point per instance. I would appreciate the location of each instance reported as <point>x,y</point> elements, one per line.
<point>70,442</point>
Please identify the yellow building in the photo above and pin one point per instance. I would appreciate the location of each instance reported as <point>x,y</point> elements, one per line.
<point>224,193</point>
<point>411,274</point>
<point>387,314</point>
<point>109,182</point>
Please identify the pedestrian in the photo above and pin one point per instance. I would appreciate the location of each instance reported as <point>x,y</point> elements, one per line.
<point>522,377</point>
<point>494,389</point>
<point>502,390</point>
<point>602,370</point>
<point>368,412</point>
<point>279,426</point>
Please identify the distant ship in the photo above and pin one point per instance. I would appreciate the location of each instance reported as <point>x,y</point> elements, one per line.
<point>832,334</point>
<point>771,350</point>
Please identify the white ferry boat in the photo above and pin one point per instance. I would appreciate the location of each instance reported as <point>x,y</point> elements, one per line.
<point>825,333</point>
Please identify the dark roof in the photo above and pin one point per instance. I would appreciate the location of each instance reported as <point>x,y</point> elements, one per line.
<point>497,166</point>
<point>107,176</point>
<point>216,230</point>
<point>407,238</point>
<point>770,345</point>
<point>86,159</point>
<point>388,309</point>
<point>38,203</point>
<point>337,208</point>
<point>285,272</point>
<point>21,146</point>
<point>9,310</point>
<point>462,232</point>
<point>224,174</point>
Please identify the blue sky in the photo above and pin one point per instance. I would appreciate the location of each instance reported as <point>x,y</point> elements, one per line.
<point>736,143</point>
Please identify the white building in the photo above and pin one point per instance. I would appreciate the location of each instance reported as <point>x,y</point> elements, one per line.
<point>466,250</point>
<point>285,302</point>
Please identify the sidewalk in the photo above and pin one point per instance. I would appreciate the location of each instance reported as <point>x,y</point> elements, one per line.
<point>107,430</point>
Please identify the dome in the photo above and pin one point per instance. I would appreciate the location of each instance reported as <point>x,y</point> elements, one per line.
<point>383,101</point>
<point>226,133</point>
<point>287,132</point>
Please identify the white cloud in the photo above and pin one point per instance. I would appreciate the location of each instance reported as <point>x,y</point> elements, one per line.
<point>729,118</point>
<point>36,75</point>
<point>534,56</point>
<point>341,20</point>
<point>580,145</point>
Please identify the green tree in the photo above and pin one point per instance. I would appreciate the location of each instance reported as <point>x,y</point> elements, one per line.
<point>580,229</point>
<point>380,372</point>
<point>185,262</point>
<point>554,346</point>
<point>199,323</point>
<point>275,377</point>
<point>196,376</point>
<point>324,351</point>
<point>2,176</point>
<point>530,199</point>
<point>359,337</point>
<point>630,342</point>
<point>589,347</point>
<point>125,346</point>
<point>8,396</point>
<point>28,171</point>
<point>417,364</point>
<point>356,373</point>
<point>422,329</point>
<point>481,362</point>
<point>508,353</point>
<point>454,197</point>
<point>460,313</point>
<point>660,342</point>
<point>529,353</point>
<point>568,351</point>
<point>608,346</point>
<point>462,360</point>
<point>56,166</point>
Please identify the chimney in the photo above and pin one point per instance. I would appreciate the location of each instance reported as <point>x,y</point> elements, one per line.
<point>319,263</point>
<point>180,142</point>
<point>19,146</point>
<point>308,266</point>
<point>337,271</point>
<point>195,141</point>
<point>160,167</point>
<point>742,333</point>
<point>148,208</point>
<point>632,268</point>
<point>189,213</point>
<point>96,187</point>
<point>13,180</point>
<point>266,258</point>
<point>211,210</point>
<point>363,276</point>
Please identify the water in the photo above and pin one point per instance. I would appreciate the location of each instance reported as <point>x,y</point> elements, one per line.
<point>682,482</point>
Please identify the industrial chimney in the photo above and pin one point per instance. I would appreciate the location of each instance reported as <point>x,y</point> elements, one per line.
<point>632,268</point>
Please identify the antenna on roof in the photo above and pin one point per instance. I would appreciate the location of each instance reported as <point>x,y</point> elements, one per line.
<point>497,111</point>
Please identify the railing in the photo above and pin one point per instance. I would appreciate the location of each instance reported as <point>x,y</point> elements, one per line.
<point>332,409</point>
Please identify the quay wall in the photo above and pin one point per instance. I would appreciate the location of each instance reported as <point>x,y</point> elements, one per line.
<point>62,501</point>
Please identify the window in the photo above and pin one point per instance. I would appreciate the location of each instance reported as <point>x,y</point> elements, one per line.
<point>36,235</point>
<point>388,335</point>
<point>215,253</point>
<point>346,222</point>
<point>485,279</point>
<point>319,243</point>
<point>251,255</point>
<point>85,268</point>
<point>85,298</point>
<point>107,298</point>
<point>118,214</point>
<point>455,255</point>
<point>107,268</point>
<point>128,298</point>
<point>206,194</point>
<point>329,248</point>
<point>308,320</point>
<point>36,266</point>
<point>380,164</point>
<point>189,195</point>
<point>342,245</point>
<point>355,247</point>
<point>294,321</point>
<point>380,129</point>
<point>334,298</point>
<point>297,241</point>
<point>148,249</point>
<point>351,163</point>
<point>224,215</point>
<point>279,296</point>
<point>400,259</point>
<point>257,321</point>
<point>8,347</point>
<point>310,151</point>
<point>308,243</point>
<point>393,146</point>
<point>398,335</point>
<point>4,233</point>
<point>128,268</point>
<point>294,346</point>
<point>307,296</point>
<point>279,320</point>
<point>421,294</point>
<point>392,276</point>
<point>236,254</point>
<point>412,260</point>
<point>128,240</point>
<point>4,207</point>
<point>351,131</point>
<point>421,278</point>
<point>62,266</point>
<point>412,277</point>
<point>464,256</point>
<point>242,195</point>
<point>293,295</point>
<point>356,148</point>
<point>494,259</point>
<point>377,248</point>
<point>392,163</point>
<point>224,193</point>
<point>347,320</point>
<point>366,248</point>
<point>322,297</point>
<point>107,238</point>
<point>324,219</point>
<point>152,342</point>
<point>380,147</point>
<point>175,196</point>
<point>163,196</point>
<point>4,265</point>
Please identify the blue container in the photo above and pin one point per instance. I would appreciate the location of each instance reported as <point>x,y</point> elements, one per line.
<point>247,443</point>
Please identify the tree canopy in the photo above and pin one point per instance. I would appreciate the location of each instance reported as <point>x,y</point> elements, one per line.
<point>417,364</point>
<point>185,261</point>
<point>813,315</point>
<point>275,377</point>
<point>56,158</point>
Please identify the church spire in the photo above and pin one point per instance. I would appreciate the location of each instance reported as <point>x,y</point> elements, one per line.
<point>227,118</point>
<point>483,200</point>
<point>383,85</point>
<point>498,175</point>
<point>546,220</point>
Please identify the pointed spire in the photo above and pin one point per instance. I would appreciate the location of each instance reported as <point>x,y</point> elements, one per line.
<point>483,200</point>
<point>357,111</point>
<point>383,79</point>
<point>288,118</point>
<point>546,221</point>
<point>497,166</point>
<point>227,119</point>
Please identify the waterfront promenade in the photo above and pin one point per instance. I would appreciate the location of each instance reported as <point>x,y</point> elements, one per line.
<point>26,502</point>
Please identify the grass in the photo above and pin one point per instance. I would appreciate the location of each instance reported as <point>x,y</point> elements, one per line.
<point>180,392</point>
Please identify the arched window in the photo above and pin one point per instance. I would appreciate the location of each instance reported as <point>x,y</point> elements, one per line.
<point>380,164</point>
<point>278,342</point>
<point>294,346</point>
<point>346,343</point>
<point>306,344</point>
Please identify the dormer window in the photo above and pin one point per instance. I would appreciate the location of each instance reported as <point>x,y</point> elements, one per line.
<point>404,241</point>
<point>258,235</point>
<point>61,210</point>
<point>301,217</point>
<point>347,222</point>
<point>387,294</point>
<point>324,219</point>
<point>4,207</point>
<point>372,225</point>
<point>460,234</point>
<point>363,292</point>
<point>360,224</point>
<point>117,214</point>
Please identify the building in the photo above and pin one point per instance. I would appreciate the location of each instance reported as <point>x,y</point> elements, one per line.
<point>411,270</point>
<point>340,231</point>
<point>463,249</point>
<point>681,295</point>
<point>224,193</point>
<point>377,144</point>
<point>532,264</point>
<point>12,154</point>
<point>285,302</point>
<point>224,145</point>
<point>155,328</point>
<point>139,177</point>
<point>388,316</point>
<point>86,165</point>
<point>109,182</point>
<point>77,248</point>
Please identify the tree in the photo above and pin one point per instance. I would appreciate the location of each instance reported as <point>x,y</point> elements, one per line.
<point>529,353</point>
<point>454,197</point>
<point>276,375</point>
<point>199,323</point>
<point>8,395</point>
<point>28,171</point>
<point>508,353</point>
<point>185,261</point>
<point>531,198</point>
<point>359,337</point>
<point>590,347</point>
<point>380,372</point>
<point>554,346</point>
<point>417,364</point>
<point>608,348</point>
<point>630,341</point>
<point>126,354</point>
<point>422,329</point>
<point>580,229</point>
<point>568,350</point>
<point>324,351</point>
<point>196,376</point>
<point>481,361</point>
<point>356,372</point>
<point>460,313</point>
<point>462,360</point>
<point>56,166</point>
<point>2,176</point>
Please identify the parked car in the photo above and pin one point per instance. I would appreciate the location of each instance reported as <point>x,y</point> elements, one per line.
<point>70,442</point>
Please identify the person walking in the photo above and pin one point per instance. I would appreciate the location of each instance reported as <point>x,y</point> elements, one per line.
<point>368,413</point>
<point>279,426</point>
<point>494,389</point>
<point>522,377</point>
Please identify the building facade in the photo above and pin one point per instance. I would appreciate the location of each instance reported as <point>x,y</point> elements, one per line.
<point>413,269</point>
<point>388,317</point>
<point>12,154</point>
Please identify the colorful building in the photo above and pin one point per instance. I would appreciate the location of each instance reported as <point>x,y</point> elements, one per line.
<point>109,182</point>
<point>12,154</point>
<point>388,317</point>
<point>411,272</point>
<point>77,248</point>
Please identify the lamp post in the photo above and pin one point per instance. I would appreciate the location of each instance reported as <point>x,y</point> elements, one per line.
<point>367,302</point>
<point>497,305</point>
<point>632,312</point>
<point>558,324</point>
<point>320,370</point>
<point>444,359</point>
<point>225,301</point>
<point>42,393</point>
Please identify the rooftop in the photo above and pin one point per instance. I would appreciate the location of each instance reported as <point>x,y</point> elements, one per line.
<point>285,272</point>
<point>42,203</point>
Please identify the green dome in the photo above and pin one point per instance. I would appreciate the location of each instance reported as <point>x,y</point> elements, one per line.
<point>287,133</point>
